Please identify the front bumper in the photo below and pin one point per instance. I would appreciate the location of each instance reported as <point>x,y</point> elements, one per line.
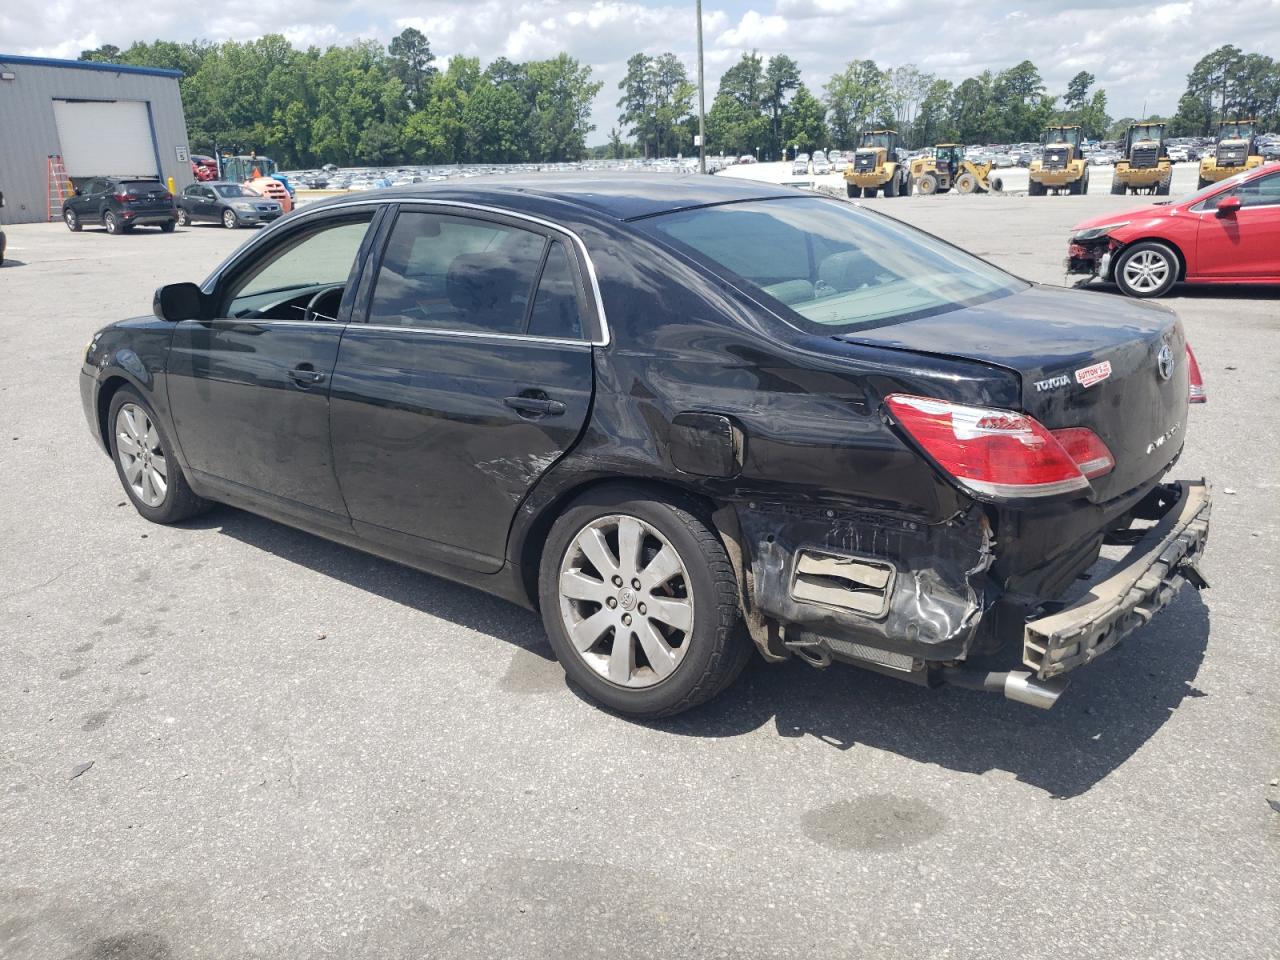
<point>1142,584</point>
<point>259,216</point>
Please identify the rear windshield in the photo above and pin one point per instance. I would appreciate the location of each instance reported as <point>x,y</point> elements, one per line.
<point>142,186</point>
<point>830,267</point>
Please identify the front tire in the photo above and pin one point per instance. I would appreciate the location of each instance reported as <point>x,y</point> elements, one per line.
<point>72,220</point>
<point>1147,269</point>
<point>891,187</point>
<point>1117,187</point>
<point>230,220</point>
<point>853,192</point>
<point>151,477</point>
<point>966,183</point>
<point>928,185</point>
<point>640,603</point>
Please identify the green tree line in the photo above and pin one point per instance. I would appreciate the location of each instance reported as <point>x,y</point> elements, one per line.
<point>762,107</point>
<point>367,104</point>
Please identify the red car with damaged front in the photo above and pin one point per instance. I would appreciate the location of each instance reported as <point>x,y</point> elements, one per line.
<point>1226,233</point>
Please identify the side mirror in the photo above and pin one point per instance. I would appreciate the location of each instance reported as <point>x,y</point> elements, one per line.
<point>1227,206</point>
<point>178,301</point>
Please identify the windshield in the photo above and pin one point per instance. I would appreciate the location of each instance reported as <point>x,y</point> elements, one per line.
<point>876,140</point>
<point>830,267</point>
<point>1063,135</point>
<point>1235,131</point>
<point>234,190</point>
<point>1146,132</point>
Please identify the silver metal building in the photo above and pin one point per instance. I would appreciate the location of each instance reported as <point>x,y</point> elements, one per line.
<point>102,119</point>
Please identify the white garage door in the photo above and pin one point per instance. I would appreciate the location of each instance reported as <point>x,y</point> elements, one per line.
<point>105,138</point>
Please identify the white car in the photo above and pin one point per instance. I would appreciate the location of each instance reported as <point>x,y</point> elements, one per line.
<point>800,165</point>
<point>1179,154</point>
<point>820,163</point>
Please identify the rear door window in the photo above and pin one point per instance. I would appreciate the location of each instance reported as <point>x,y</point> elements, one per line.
<point>557,307</point>
<point>446,272</point>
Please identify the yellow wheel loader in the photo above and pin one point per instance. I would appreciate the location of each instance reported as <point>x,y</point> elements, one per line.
<point>1062,167</point>
<point>948,168</point>
<point>875,166</point>
<point>1145,166</point>
<point>1235,152</point>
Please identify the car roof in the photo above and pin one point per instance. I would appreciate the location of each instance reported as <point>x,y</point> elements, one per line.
<point>619,196</point>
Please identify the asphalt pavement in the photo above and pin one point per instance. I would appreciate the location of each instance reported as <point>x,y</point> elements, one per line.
<point>232,740</point>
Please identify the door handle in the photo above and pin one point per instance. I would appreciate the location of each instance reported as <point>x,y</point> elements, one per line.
<point>535,406</point>
<point>306,375</point>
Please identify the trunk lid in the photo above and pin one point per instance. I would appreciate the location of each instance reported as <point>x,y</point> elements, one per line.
<point>1085,360</point>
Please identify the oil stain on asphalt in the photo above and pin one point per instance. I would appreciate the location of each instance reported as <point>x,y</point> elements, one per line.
<point>880,822</point>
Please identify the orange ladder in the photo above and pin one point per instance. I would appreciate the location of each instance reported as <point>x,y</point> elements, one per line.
<point>59,187</point>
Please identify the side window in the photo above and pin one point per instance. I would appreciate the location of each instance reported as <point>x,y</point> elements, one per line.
<point>285,281</point>
<point>447,272</point>
<point>557,310</point>
<point>1263,192</point>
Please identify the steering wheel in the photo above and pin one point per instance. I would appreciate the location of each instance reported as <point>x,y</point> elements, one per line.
<point>313,313</point>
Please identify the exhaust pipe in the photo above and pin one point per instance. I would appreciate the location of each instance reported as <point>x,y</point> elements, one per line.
<point>1014,684</point>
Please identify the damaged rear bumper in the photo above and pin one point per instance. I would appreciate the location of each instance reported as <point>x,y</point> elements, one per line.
<point>1142,584</point>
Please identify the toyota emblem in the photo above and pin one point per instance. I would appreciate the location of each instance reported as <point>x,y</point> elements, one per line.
<point>1164,362</point>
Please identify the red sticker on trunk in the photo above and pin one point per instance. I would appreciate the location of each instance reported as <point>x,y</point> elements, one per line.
<point>1088,376</point>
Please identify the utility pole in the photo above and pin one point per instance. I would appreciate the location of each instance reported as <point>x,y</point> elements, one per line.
<point>702,101</point>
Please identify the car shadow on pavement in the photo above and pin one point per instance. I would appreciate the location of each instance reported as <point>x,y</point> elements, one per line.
<point>1205,291</point>
<point>1110,709</point>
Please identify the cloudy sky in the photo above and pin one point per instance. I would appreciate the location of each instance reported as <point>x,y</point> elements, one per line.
<point>1140,53</point>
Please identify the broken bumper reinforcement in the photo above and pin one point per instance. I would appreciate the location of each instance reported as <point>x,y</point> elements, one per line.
<point>1146,580</point>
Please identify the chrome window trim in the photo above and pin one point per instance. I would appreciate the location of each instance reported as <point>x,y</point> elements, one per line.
<point>474,334</point>
<point>603,341</point>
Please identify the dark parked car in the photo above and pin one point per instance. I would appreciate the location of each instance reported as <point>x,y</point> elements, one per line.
<point>675,415</point>
<point>119,204</point>
<point>230,204</point>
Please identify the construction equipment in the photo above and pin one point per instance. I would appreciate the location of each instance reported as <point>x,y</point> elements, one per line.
<point>1062,166</point>
<point>260,174</point>
<point>1236,151</point>
<point>948,168</point>
<point>875,166</point>
<point>1144,166</point>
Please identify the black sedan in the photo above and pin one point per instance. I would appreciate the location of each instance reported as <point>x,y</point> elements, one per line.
<point>685,419</point>
<point>230,204</point>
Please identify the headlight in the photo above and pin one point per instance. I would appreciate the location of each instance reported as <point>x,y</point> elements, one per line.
<point>1093,233</point>
<point>243,205</point>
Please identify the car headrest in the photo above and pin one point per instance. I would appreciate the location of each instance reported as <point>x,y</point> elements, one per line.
<point>481,283</point>
<point>847,270</point>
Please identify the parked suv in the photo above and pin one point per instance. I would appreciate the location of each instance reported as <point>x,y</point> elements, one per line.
<point>119,204</point>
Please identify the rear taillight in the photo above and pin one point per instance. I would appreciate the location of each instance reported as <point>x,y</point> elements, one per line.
<point>1195,388</point>
<point>999,453</point>
<point>1086,450</point>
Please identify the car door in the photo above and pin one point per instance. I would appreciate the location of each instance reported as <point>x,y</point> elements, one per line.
<point>206,204</point>
<point>1243,245</point>
<point>86,203</point>
<point>249,388</point>
<point>189,200</point>
<point>471,376</point>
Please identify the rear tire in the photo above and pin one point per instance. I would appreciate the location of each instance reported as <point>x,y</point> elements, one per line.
<point>853,192</point>
<point>904,190</point>
<point>891,187</point>
<point>142,452</point>
<point>168,226</point>
<point>1035,189</point>
<point>610,660</point>
<point>1117,187</point>
<point>184,218</point>
<point>111,222</point>
<point>928,185</point>
<point>1147,269</point>
<point>1202,183</point>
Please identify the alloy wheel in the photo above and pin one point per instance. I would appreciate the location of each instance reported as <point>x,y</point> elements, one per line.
<point>626,602</point>
<point>229,219</point>
<point>1146,271</point>
<point>141,457</point>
